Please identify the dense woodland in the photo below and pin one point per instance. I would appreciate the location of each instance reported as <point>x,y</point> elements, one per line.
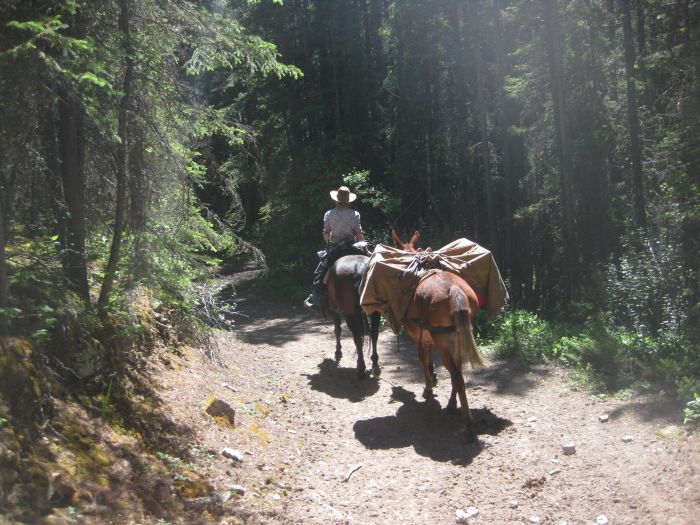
<point>144,143</point>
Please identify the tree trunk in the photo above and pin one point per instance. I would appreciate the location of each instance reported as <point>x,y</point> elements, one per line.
<point>553,42</point>
<point>483,125</point>
<point>508,116</point>
<point>122,160</point>
<point>139,194</point>
<point>633,119</point>
<point>641,27</point>
<point>4,283</point>
<point>73,177</point>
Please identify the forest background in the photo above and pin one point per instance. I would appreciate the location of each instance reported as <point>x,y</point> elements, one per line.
<point>144,144</point>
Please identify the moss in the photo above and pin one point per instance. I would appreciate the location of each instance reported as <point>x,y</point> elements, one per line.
<point>192,488</point>
<point>19,387</point>
<point>262,434</point>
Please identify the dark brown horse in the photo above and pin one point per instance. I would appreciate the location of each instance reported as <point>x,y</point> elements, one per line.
<point>344,299</point>
<point>440,314</point>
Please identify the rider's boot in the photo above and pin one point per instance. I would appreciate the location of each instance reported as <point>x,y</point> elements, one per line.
<point>313,302</point>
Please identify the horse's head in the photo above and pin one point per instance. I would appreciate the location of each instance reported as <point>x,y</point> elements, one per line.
<point>409,246</point>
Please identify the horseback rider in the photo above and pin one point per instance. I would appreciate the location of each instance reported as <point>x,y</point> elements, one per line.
<point>341,230</point>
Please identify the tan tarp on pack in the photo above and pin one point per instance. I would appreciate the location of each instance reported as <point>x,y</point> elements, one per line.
<point>387,286</point>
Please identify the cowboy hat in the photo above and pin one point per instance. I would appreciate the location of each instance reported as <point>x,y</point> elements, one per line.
<point>343,195</point>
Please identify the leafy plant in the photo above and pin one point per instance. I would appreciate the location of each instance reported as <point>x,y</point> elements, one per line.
<point>691,412</point>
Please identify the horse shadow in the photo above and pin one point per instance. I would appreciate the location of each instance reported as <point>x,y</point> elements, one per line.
<point>431,431</point>
<point>342,382</point>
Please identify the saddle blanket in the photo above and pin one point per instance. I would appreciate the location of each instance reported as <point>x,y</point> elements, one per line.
<point>393,274</point>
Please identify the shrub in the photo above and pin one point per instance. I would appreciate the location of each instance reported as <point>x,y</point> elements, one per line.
<point>604,354</point>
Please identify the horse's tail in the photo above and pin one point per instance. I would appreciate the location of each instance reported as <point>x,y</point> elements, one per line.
<point>465,351</point>
<point>358,274</point>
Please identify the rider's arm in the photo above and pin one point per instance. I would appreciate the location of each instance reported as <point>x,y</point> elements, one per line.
<point>357,228</point>
<point>326,227</point>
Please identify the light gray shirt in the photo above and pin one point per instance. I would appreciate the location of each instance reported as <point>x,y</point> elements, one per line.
<point>341,223</point>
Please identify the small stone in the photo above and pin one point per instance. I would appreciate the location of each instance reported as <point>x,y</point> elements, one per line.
<point>603,418</point>
<point>531,419</point>
<point>534,519</point>
<point>554,471</point>
<point>237,489</point>
<point>627,439</point>
<point>219,408</point>
<point>461,516</point>
<point>232,453</point>
<point>601,520</point>
<point>514,504</point>
<point>568,449</point>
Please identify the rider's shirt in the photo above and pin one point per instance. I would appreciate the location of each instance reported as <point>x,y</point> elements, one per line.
<point>340,224</point>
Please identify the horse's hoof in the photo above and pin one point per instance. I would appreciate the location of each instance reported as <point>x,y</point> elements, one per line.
<point>428,393</point>
<point>338,355</point>
<point>361,373</point>
<point>451,408</point>
<point>376,371</point>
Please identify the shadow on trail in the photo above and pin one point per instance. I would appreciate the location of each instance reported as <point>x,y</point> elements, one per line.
<point>275,324</point>
<point>430,430</point>
<point>656,409</point>
<point>509,377</point>
<point>341,383</point>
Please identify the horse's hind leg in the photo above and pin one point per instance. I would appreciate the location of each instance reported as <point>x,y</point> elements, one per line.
<point>458,384</point>
<point>457,380</point>
<point>452,403</point>
<point>338,346</point>
<point>358,331</point>
<point>425,359</point>
<point>374,320</point>
<point>431,370</point>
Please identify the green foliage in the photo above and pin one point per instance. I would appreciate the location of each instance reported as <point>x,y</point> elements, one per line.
<point>372,195</point>
<point>279,283</point>
<point>602,355</point>
<point>647,288</point>
<point>226,45</point>
<point>525,335</point>
<point>691,412</point>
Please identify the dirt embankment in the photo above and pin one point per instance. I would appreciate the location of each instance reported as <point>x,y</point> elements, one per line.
<point>321,446</point>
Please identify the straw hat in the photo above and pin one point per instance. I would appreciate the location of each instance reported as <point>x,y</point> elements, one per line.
<point>343,195</point>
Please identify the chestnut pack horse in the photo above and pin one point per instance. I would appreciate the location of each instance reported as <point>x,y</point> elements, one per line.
<point>343,297</point>
<point>441,314</point>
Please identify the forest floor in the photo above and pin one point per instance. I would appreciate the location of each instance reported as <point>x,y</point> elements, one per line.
<point>319,445</point>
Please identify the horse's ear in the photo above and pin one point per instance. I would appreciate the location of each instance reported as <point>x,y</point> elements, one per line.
<point>415,239</point>
<point>397,240</point>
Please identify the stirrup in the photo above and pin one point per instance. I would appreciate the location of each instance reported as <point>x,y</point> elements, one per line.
<point>316,309</point>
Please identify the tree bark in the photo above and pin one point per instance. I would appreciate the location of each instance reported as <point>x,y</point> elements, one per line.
<point>553,42</point>
<point>122,160</point>
<point>633,119</point>
<point>483,124</point>
<point>4,282</point>
<point>72,151</point>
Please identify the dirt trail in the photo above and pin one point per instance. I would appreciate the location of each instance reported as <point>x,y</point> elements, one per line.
<point>321,446</point>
